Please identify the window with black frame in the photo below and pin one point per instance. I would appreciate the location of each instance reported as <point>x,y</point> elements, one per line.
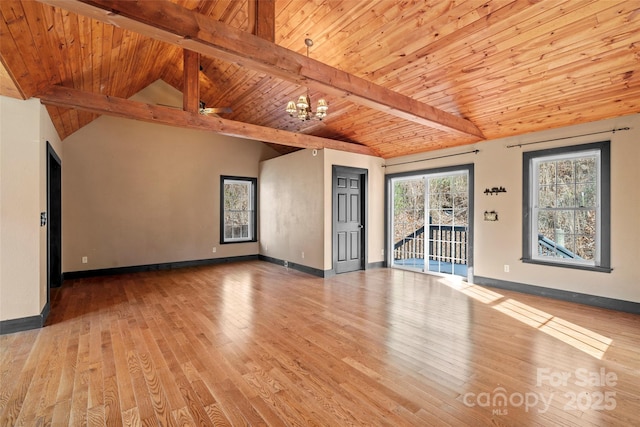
<point>238,214</point>
<point>566,206</point>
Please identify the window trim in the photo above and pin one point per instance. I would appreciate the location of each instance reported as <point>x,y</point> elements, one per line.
<point>603,234</point>
<point>253,236</point>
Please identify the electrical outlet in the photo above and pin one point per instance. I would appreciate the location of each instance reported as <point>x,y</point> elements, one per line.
<point>286,264</point>
<point>85,260</point>
<point>302,255</point>
<point>214,249</point>
<point>382,252</point>
<point>506,268</point>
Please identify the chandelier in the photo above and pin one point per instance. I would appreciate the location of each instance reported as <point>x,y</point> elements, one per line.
<point>302,108</point>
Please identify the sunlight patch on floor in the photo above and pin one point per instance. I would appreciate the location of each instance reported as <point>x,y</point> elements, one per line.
<point>581,338</point>
<point>474,291</point>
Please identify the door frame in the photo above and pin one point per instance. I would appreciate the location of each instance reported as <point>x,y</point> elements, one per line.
<point>388,241</point>
<point>53,244</point>
<point>364,195</point>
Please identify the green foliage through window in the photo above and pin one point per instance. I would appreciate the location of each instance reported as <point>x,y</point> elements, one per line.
<point>238,213</point>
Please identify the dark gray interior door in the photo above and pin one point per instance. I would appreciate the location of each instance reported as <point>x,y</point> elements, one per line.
<point>348,222</point>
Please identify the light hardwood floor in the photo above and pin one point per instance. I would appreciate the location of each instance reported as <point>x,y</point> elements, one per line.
<point>256,344</point>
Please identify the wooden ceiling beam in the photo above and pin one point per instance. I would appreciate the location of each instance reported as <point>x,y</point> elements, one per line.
<point>64,97</point>
<point>262,19</point>
<point>266,22</point>
<point>8,83</point>
<point>177,25</point>
<point>191,81</point>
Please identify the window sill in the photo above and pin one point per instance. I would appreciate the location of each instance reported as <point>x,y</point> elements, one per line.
<point>598,269</point>
<point>230,242</point>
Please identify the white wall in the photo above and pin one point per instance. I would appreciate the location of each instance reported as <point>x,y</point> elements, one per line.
<point>137,193</point>
<point>292,208</point>
<point>296,206</point>
<point>48,134</point>
<point>25,127</point>
<point>499,243</point>
<point>375,207</point>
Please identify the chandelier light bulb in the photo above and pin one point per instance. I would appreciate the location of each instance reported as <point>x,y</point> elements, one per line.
<point>303,102</point>
<point>291,108</point>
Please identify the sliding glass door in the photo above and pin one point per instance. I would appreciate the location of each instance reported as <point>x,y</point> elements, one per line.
<point>430,222</point>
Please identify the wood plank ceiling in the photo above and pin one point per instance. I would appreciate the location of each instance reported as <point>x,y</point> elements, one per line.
<point>508,67</point>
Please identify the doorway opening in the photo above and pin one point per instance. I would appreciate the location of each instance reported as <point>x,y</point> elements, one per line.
<point>54,221</point>
<point>430,221</point>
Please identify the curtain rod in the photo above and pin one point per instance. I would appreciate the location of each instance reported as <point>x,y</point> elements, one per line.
<point>566,137</point>
<point>432,158</point>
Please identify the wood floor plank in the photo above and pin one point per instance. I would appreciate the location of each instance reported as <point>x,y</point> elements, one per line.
<point>68,371</point>
<point>216,416</point>
<point>142,395</point>
<point>112,410</point>
<point>253,343</point>
<point>183,417</point>
<point>158,398</point>
<point>96,416</point>
<point>61,411</point>
<point>131,418</point>
<point>125,389</point>
<point>78,414</point>
<point>165,377</point>
<point>18,394</point>
<point>195,407</point>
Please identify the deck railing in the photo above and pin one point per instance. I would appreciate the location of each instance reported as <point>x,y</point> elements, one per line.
<point>446,243</point>
<point>548,247</point>
<point>449,244</point>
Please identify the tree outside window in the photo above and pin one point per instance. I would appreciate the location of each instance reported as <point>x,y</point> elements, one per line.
<point>566,206</point>
<point>238,217</point>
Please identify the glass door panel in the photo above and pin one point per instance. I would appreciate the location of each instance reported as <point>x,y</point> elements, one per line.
<point>436,241</point>
<point>448,223</point>
<point>408,223</point>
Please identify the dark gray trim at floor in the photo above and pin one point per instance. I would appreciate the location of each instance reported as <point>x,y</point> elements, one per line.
<point>303,268</point>
<point>25,323</point>
<point>593,300</point>
<point>314,271</point>
<point>154,267</point>
<point>379,264</point>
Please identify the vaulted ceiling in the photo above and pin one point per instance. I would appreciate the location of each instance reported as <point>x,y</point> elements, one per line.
<point>400,77</point>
